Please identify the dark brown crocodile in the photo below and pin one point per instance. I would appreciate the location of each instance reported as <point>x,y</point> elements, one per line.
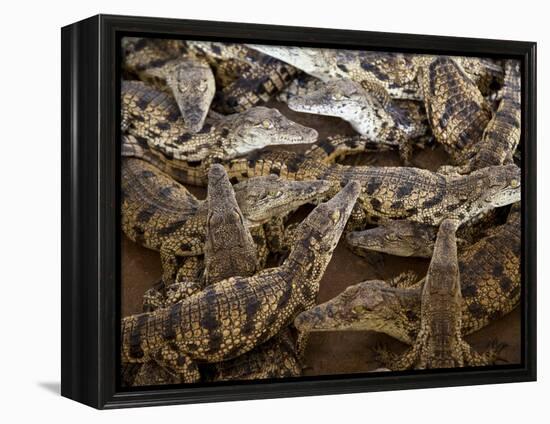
<point>234,316</point>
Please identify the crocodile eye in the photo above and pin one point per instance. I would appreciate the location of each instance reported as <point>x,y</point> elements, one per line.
<point>276,193</point>
<point>391,237</point>
<point>337,96</point>
<point>202,85</point>
<point>267,124</point>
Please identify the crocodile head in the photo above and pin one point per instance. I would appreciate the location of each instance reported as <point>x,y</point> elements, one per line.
<point>260,126</point>
<point>262,198</point>
<point>342,98</point>
<point>398,237</point>
<point>488,188</point>
<point>370,305</point>
<point>319,233</point>
<point>229,249</point>
<point>192,84</point>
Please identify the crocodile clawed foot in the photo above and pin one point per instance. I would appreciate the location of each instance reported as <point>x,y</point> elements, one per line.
<point>383,356</point>
<point>493,352</point>
<point>405,280</point>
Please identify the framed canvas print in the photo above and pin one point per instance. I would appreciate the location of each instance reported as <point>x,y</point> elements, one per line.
<point>254,211</point>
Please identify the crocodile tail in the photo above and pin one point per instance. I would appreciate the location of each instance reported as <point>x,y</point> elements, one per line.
<point>329,150</point>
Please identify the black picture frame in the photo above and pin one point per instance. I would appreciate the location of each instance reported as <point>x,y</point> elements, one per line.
<point>90,209</point>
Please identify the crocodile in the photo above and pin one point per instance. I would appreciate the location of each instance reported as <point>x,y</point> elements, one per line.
<point>396,192</point>
<point>229,249</point>
<point>408,238</point>
<point>376,117</point>
<point>153,117</point>
<point>190,81</point>
<point>396,73</point>
<point>457,111</point>
<point>490,283</point>
<point>388,192</point>
<point>502,134</point>
<point>233,316</point>
<point>244,77</point>
<point>161,214</point>
<point>439,343</point>
<point>256,77</point>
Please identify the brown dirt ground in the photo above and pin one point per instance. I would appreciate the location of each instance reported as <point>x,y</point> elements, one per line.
<point>333,352</point>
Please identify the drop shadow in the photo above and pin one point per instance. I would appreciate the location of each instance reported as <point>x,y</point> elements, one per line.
<point>51,386</point>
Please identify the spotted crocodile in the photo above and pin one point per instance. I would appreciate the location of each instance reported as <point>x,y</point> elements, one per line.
<point>439,343</point>
<point>190,81</point>
<point>408,238</point>
<point>502,134</point>
<point>244,77</point>
<point>387,192</point>
<point>228,251</point>
<point>490,285</point>
<point>396,73</point>
<point>160,214</point>
<point>233,316</point>
<point>153,117</point>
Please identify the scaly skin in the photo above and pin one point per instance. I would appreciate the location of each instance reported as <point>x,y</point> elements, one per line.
<point>408,238</point>
<point>276,358</point>
<point>190,81</point>
<point>439,343</point>
<point>399,192</point>
<point>347,99</point>
<point>233,316</point>
<point>153,117</point>
<point>394,73</point>
<point>160,214</point>
<point>256,77</point>
<point>502,135</point>
<point>229,249</point>
<point>457,111</point>
<point>244,77</point>
<point>381,122</point>
<point>388,192</point>
<point>490,287</point>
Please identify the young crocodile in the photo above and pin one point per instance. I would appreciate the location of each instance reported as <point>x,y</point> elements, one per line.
<point>153,117</point>
<point>490,285</point>
<point>244,77</point>
<point>396,73</point>
<point>408,238</point>
<point>388,192</point>
<point>190,81</point>
<point>233,316</point>
<point>457,111</point>
<point>502,134</point>
<point>160,214</point>
<point>376,117</point>
<point>256,77</point>
<point>229,249</point>
<point>439,343</point>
